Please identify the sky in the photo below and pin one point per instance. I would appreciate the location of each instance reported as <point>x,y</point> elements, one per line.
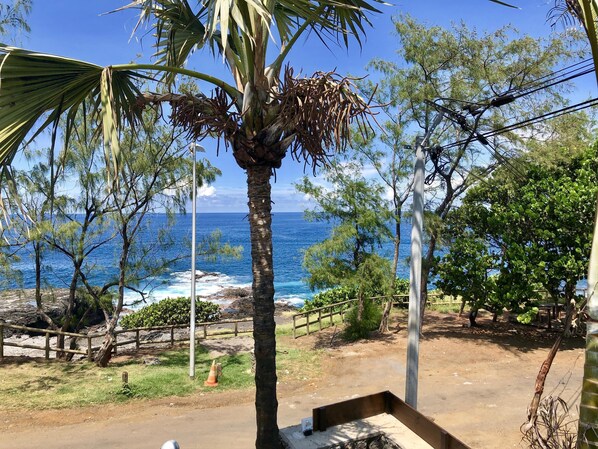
<point>79,29</point>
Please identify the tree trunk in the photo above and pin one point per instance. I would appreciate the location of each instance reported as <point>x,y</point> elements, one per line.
<point>260,224</point>
<point>360,307</point>
<point>540,381</point>
<point>383,328</point>
<point>104,354</point>
<point>587,437</point>
<point>395,263</point>
<point>68,314</point>
<point>532,412</point>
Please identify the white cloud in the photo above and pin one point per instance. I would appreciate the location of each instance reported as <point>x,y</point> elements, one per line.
<point>206,191</point>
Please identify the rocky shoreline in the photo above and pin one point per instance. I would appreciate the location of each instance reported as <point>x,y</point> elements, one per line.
<point>17,307</point>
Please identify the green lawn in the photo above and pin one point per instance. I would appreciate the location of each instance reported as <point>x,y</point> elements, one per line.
<point>55,384</point>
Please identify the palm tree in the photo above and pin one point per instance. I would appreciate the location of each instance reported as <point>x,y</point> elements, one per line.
<point>264,115</point>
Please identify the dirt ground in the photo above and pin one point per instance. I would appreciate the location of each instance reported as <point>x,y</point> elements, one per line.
<point>474,382</point>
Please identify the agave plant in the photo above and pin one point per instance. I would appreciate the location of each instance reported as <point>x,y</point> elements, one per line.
<point>265,114</point>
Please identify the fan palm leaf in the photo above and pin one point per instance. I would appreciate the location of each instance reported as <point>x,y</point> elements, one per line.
<point>37,89</point>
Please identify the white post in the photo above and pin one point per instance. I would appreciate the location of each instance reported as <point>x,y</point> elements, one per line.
<point>417,224</point>
<point>415,275</point>
<point>194,148</point>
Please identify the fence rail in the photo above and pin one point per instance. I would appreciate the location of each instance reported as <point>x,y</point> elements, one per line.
<point>137,336</point>
<point>323,317</point>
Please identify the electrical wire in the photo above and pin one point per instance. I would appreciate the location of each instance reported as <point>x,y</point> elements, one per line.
<point>550,77</point>
<point>531,121</point>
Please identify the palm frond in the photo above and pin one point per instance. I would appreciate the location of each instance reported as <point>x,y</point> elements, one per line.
<point>319,112</point>
<point>586,12</point>
<point>37,89</point>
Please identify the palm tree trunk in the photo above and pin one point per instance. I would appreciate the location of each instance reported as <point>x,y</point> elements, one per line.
<point>260,224</point>
<point>588,410</point>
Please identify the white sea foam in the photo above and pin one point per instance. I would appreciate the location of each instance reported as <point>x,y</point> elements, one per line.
<point>179,284</point>
<point>294,300</point>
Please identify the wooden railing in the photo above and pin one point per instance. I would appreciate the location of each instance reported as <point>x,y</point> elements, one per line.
<point>317,319</point>
<point>385,402</point>
<point>137,336</point>
<point>47,348</point>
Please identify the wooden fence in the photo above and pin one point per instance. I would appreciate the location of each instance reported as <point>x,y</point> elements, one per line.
<point>128,337</point>
<point>317,319</point>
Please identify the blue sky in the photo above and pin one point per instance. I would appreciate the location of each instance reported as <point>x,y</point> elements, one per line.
<point>76,28</point>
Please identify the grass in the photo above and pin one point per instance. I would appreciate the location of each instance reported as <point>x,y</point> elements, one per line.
<point>31,384</point>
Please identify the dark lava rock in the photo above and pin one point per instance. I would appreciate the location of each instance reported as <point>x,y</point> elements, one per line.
<point>243,308</point>
<point>18,307</point>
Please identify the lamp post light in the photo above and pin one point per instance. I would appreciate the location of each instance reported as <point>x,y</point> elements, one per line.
<point>194,148</point>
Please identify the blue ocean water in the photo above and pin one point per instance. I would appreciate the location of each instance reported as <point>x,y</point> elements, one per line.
<point>292,234</point>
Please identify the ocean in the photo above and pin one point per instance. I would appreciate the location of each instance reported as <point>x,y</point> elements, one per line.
<point>292,234</point>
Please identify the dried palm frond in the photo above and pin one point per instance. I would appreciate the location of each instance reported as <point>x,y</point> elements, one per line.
<point>200,116</point>
<point>554,427</point>
<point>319,112</point>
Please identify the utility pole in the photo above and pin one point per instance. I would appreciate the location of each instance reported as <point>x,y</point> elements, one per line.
<point>415,274</point>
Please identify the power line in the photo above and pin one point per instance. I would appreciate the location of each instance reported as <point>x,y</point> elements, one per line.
<point>550,77</point>
<point>531,121</point>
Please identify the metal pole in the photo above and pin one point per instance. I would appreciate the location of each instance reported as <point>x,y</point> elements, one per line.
<point>415,286</point>
<point>193,148</point>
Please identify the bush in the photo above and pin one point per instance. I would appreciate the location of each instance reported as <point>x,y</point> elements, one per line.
<point>329,297</point>
<point>171,311</point>
<point>356,330</point>
<point>340,294</point>
<point>401,286</point>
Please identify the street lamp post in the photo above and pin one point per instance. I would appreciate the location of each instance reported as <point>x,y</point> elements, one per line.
<point>194,148</point>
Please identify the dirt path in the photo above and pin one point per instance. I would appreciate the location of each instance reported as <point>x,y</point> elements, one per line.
<point>476,383</point>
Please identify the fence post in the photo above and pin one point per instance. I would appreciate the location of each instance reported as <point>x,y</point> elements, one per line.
<point>89,350</point>
<point>320,319</point>
<point>47,346</point>
<point>172,336</point>
<point>330,313</point>
<point>307,322</point>
<point>1,341</point>
<point>294,329</point>
<point>136,339</point>
<point>236,328</point>
<point>205,331</point>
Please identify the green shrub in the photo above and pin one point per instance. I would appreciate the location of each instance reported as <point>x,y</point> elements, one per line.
<point>401,286</point>
<point>340,294</point>
<point>328,297</point>
<point>171,311</point>
<point>356,330</point>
